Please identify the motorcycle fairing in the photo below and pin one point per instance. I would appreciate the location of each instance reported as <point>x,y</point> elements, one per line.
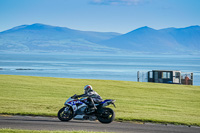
<point>107,102</point>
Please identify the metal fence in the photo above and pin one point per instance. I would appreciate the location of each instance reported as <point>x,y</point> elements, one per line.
<point>142,76</point>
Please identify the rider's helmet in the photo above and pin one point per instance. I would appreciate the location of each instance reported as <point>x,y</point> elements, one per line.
<point>87,88</point>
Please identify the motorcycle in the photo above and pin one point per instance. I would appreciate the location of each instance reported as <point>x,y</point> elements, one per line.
<point>78,110</point>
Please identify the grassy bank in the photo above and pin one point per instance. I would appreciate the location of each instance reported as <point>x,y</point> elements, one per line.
<point>163,103</point>
<point>35,131</point>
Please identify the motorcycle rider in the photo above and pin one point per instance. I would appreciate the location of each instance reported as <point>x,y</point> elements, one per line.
<point>92,97</point>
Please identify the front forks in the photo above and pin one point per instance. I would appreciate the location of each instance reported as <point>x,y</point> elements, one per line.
<point>66,110</point>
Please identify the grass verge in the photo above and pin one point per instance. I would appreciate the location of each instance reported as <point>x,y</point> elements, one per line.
<point>145,102</point>
<point>41,131</point>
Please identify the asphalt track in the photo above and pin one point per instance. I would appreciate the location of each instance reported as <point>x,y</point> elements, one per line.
<point>49,123</point>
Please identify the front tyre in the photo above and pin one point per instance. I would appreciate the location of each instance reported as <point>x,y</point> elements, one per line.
<point>64,115</point>
<point>107,116</point>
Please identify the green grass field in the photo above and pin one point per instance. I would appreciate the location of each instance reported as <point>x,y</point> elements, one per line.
<point>148,102</point>
<point>35,131</point>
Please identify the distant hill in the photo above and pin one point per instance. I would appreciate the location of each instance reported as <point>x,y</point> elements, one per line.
<point>46,38</point>
<point>170,40</point>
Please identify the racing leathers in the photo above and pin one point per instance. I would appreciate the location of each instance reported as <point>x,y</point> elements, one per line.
<point>92,98</point>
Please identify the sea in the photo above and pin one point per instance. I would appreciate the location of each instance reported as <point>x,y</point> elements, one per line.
<point>106,67</point>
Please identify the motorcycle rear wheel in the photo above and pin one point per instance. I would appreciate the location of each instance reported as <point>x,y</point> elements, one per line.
<point>65,116</point>
<point>107,116</point>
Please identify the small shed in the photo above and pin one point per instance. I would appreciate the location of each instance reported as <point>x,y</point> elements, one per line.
<point>170,76</point>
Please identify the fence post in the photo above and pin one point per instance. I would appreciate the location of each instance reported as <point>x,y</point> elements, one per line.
<point>138,76</point>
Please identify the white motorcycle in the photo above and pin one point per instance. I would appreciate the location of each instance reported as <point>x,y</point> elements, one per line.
<point>78,109</point>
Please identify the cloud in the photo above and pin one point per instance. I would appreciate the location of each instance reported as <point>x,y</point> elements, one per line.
<point>117,2</point>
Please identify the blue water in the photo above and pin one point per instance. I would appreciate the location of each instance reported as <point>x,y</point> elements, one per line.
<point>109,67</point>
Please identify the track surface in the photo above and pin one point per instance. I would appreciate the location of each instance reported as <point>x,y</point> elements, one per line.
<point>49,123</point>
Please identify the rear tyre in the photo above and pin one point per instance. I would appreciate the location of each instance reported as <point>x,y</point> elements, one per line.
<point>107,116</point>
<point>65,116</point>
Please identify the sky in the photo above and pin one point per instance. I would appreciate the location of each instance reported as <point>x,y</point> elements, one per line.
<point>120,16</point>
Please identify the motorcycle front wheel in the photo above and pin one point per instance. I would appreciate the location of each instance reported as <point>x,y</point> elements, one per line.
<point>65,116</point>
<point>107,115</point>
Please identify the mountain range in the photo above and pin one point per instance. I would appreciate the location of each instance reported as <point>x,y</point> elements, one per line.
<point>170,40</point>
<point>45,38</point>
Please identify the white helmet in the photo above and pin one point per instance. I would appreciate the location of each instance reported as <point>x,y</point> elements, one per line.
<point>87,88</point>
